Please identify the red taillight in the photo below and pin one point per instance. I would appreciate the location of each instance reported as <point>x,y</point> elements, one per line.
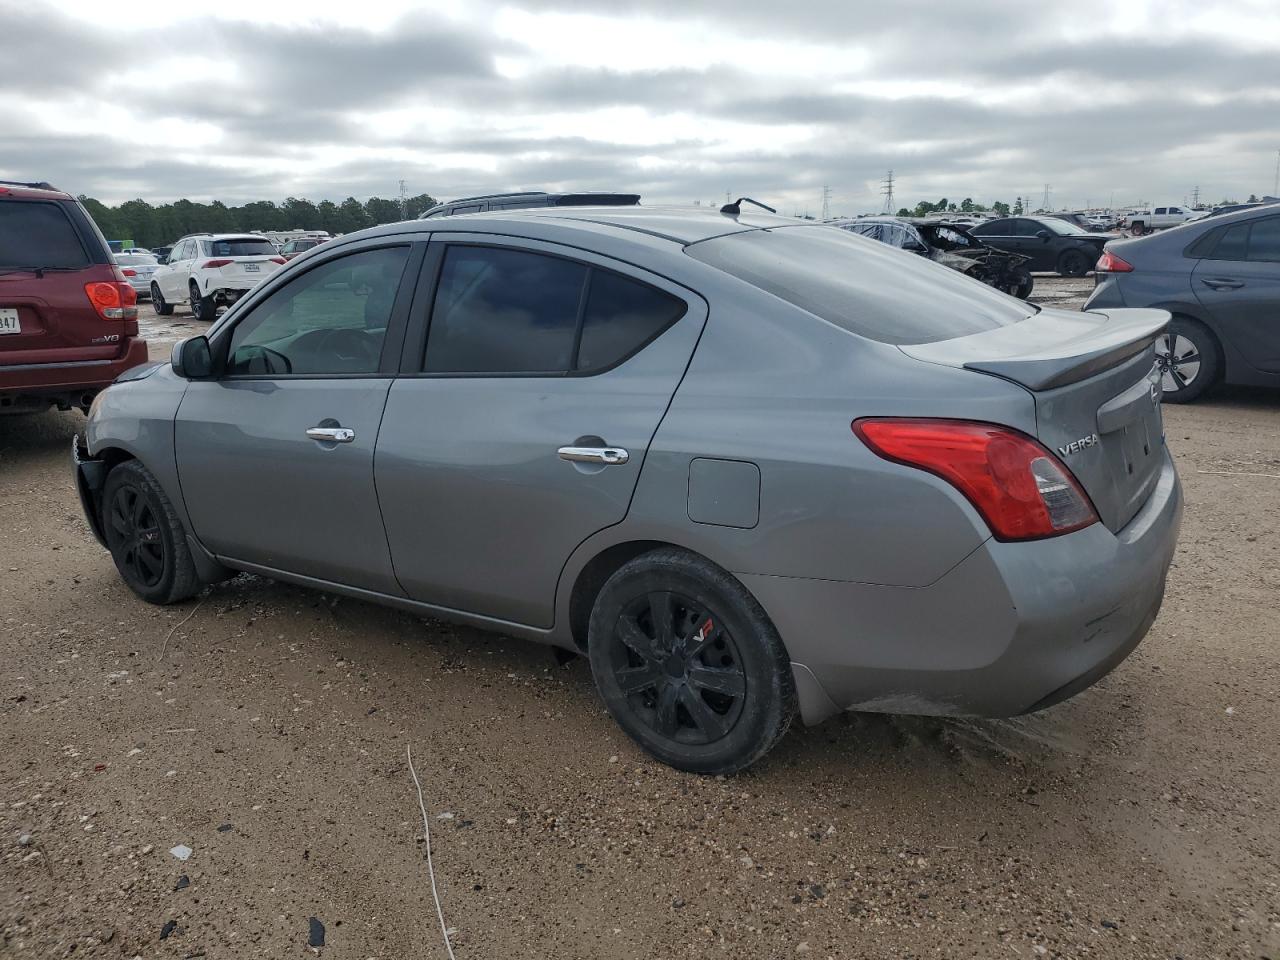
<point>212,264</point>
<point>1110,263</point>
<point>1021,489</point>
<point>278,260</point>
<point>129,273</point>
<point>113,301</point>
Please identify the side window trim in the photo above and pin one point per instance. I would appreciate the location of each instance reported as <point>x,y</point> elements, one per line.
<point>413,360</point>
<point>393,342</point>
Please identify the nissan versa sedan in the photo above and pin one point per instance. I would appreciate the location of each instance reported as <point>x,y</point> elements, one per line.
<point>750,466</point>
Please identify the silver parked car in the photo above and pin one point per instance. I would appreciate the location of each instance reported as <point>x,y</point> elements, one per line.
<point>138,269</point>
<point>748,465</point>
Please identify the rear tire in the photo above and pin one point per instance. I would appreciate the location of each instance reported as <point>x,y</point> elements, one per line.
<point>1073,263</point>
<point>145,537</point>
<point>158,302</point>
<point>1189,360</point>
<point>689,664</point>
<point>1023,284</point>
<point>1137,229</point>
<point>202,308</point>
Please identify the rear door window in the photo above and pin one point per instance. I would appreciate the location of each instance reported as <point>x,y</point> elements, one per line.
<point>865,289</point>
<point>503,311</point>
<point>1264,240</point>
<point>38,233</point>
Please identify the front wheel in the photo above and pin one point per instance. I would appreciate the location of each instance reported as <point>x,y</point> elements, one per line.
<point>158,302</point>
<point>689,664</point>
<point>1073,263</point>
<point>1022,283</point>
<point>145,537</point>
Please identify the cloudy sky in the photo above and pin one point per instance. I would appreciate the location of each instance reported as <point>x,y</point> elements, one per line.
<point>679,100</point>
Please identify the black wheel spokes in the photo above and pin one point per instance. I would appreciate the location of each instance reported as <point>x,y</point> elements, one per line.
<point>679,669</point>
<point>137,533</point>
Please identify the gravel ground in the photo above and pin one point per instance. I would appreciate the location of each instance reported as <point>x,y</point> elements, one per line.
<point>265,727</point>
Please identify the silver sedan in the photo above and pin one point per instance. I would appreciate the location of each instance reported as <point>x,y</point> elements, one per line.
<point>748,465</point>
<point>137,269</point>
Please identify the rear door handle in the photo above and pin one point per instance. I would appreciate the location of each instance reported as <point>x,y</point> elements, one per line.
<point>332,434</point>
<point>606,455</point>
<point>1223,283</point>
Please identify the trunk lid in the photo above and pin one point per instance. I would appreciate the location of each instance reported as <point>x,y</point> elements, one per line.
<point>248,269</point>
<point>1097,396</point>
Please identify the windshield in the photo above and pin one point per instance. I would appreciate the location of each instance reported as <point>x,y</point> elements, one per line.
<point>1063,228</point>
<point>38,234</point>
<point>242,247</point>
<point>862,286</point>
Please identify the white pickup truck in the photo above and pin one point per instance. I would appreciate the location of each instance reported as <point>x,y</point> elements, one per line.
<point>1144,221</point>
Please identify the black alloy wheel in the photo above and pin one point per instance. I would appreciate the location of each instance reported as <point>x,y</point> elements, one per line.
<point>1073,263</point>
<point>133,531</point>
<point>145,537</point>
<point>679,668</point>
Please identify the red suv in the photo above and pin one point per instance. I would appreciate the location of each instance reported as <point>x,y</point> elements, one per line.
<point>68,319</point>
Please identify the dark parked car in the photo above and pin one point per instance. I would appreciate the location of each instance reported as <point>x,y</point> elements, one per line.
<point>531,198</point>
<point>950,244</point>
<point>162,253</point>
<point>1220,278</point>
<point>68,318</point>
<point>1052,245</point>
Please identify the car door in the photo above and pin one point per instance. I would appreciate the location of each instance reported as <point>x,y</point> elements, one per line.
<point>1001,234</point>
<point>1239,284</point>
<point>275,454</point>
<point>518,427</point>
<point>173,279</point>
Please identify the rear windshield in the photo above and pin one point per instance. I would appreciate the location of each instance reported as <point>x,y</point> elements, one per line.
<point>246,247</point>
<point>38,233</point>
<point>135,260</point>
<point>865,287</point>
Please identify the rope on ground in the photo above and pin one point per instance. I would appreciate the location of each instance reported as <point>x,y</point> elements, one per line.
<point>176,626</point>
<point>426,826</point>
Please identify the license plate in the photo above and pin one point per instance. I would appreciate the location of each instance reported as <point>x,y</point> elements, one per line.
<point>251,268</point>
<point>9,320</point>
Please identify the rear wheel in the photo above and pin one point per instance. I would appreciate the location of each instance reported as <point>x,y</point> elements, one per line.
<point>145,537</point>
<point>202,308</point>
<point>1073,263</point>
<point>158,303</point>
<point>1137,229</point>
<point>688,663</point>
<point>1022,284</point>
<point>1187,358</point>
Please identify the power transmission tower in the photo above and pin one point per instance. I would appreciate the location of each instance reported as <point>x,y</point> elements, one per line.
<point>404,201</point>
<point>1044,202</point>
<point>826,203</point>
<point>1195,196</point>
<point>886,187</point>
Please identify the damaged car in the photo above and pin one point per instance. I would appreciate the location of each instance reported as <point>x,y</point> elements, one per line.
<point>952,245</point>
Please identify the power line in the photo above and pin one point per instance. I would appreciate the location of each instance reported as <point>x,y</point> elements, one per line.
<point>886,187</point>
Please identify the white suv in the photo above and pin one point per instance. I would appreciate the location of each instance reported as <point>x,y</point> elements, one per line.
<point>209,270</point>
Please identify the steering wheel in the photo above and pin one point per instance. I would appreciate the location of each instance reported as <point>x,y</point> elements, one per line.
<point>350,345</point>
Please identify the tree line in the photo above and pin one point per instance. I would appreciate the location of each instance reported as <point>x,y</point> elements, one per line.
<point>149,225</point>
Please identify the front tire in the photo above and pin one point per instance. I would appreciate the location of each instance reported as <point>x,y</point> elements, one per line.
<point>689,664</point>
<point>1188,359</point>
<point>1073,263</point>
<point>145,537</point>
<point>158,302</point>
<point>1023,283</point>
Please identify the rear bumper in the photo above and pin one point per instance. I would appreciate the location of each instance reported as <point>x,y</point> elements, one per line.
<point>1015,627</point>
<point>72,380</point>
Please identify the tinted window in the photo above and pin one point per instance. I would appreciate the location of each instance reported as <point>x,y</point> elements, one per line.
<point>622,316</point>
<point>38,234</point>
<point>1264,240</point>
<point>238,247</point>
<point>1233,243</point>
<point>864,288</point>
<point>1027,228</point>
<point>504,311</point>
<point>1159,210</point>
<point>995,228</point>
<point>331,319</point>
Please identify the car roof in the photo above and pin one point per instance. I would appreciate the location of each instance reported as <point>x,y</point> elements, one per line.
<point>222,236</point>
<point>32,191</point>
<point>682,225</point>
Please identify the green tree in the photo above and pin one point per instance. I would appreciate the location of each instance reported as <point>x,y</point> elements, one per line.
<point>300,214</point>
<point>904,212</point>
<point>1001,208</point>
<point>382,211</point>
<point>351,215</point>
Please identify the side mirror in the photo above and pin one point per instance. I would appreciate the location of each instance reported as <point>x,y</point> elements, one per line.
<point>192,359</point>
<point>1043,234</point>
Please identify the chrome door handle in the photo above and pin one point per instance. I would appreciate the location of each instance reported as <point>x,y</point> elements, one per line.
<point>332,434</point>
<point>606,455</point>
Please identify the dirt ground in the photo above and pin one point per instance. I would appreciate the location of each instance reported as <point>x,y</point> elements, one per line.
<point>265,727</point>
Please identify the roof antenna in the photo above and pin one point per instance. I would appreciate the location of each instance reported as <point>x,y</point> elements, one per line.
<point>735,208</point>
